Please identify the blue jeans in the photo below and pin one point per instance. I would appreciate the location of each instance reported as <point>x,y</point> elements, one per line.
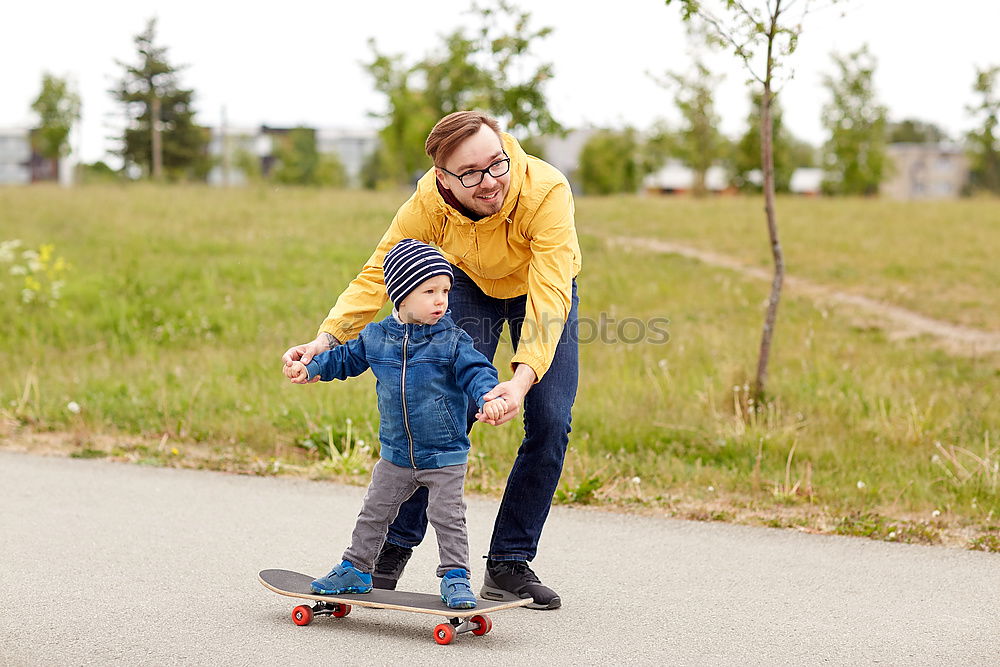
<point>547,414</point>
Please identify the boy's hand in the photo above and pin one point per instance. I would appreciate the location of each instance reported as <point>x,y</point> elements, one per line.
<point>513,391</point>
<point>296,372</point>
<point>494,410</point>
<point>307,351</point>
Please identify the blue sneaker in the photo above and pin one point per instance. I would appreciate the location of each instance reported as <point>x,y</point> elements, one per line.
<point>343,578</point>
<point>456,592</point>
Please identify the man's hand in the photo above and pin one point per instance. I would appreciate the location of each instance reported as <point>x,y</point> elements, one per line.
<point>513,392</point>
<point>306,351</point>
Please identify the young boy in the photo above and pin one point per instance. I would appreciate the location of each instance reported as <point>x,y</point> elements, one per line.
<point>425,368</point>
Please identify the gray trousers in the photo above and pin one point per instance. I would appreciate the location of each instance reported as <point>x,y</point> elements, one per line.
<point>390,487</point>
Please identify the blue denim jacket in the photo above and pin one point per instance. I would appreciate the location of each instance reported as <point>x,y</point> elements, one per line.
<point>425,374</point>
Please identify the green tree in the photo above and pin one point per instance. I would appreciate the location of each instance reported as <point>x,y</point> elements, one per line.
<point>406,122</point>
<point>299,163</point>
<point>658,146</point>
<point>514,87</point>
<point>297,158</point>
<point>98,172</point>
<point>697,142</point>
<point>854,155</point>
<point>984,144</point>
<point>610,162</point>
<point>174,145</point>
<point>248,163</point>
<point>533,145</point>
<point>913,131</point>
<point>491,69</point>
<point>763,35</point>
<point>790,153</point>
<point>331,171</point>
<point>802,153</point>
<point>58,109</point>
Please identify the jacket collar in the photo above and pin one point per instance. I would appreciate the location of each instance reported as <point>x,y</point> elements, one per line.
<point>427,191</point>
<point>417,331</point>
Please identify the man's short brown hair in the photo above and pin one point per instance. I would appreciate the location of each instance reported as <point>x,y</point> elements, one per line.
<point>452,130</point>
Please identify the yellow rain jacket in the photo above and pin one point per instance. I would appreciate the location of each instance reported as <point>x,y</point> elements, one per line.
<point>528,247</point>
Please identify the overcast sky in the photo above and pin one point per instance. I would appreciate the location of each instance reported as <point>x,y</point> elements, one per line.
<point>297,62</point>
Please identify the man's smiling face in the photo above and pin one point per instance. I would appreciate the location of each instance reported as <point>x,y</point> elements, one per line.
<point>477,152</point>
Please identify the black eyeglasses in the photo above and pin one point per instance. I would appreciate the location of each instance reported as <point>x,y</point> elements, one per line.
<point>474,177</point>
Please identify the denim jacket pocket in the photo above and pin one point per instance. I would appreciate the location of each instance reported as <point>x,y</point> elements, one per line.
<point>391,428</point>
<point>445,417</point>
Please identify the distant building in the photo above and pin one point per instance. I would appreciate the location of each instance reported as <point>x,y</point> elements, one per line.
<point>43,169</point>
<point>270,141</point>
<point>15,157</point>
<point>19,163</point>
<point>806,181</point>
<point>351,146</point>
<point>229,150</point>
<point>563,153</point>
<point>677,178</point>
<point>925,171</point>
<point>233,147</point>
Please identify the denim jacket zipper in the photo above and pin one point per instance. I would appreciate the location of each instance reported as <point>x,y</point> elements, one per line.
<point>406,417</point>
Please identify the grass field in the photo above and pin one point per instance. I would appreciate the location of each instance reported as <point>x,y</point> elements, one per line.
<point>179,302</point>
<point>936,258</point>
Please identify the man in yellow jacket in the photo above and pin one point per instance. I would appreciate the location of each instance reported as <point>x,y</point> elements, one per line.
<point>504,220</point>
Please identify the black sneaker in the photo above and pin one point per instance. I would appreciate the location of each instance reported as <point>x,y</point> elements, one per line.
<point>514,580</point>
<point>389,566</point>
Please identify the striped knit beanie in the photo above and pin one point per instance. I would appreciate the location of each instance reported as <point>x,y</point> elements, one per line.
<point>409,263</point>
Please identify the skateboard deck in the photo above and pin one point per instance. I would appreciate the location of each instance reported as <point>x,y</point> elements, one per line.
<point>296,585</point>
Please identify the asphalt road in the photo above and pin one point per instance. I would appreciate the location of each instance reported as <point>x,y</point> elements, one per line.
<point>112,563</point>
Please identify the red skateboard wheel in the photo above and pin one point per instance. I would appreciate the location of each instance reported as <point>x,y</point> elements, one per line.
<point>444,633</point>
<point>484,624</point>
<point>302,615</point>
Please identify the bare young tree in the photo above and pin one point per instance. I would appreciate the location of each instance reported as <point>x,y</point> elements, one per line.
<point>762,34</point>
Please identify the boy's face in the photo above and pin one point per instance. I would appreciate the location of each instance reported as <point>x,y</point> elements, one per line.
<point>427,303</point>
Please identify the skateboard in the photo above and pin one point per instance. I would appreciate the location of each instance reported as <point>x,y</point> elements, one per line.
<point>296,585</point>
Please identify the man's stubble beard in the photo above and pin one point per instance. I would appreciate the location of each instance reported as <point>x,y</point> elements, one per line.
<point>490,208</point>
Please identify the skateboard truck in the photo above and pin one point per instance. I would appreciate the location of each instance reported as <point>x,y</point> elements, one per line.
<point>303,614</point>
<point>478,625</point>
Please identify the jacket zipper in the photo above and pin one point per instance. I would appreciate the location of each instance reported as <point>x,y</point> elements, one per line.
<point>475,242</point>
<point>406,417</point>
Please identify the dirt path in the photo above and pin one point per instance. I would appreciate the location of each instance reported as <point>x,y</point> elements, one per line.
<point>898,322</point>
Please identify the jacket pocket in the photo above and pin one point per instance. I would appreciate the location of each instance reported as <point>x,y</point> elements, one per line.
<point>445,417</point>
<point>391,431</point>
